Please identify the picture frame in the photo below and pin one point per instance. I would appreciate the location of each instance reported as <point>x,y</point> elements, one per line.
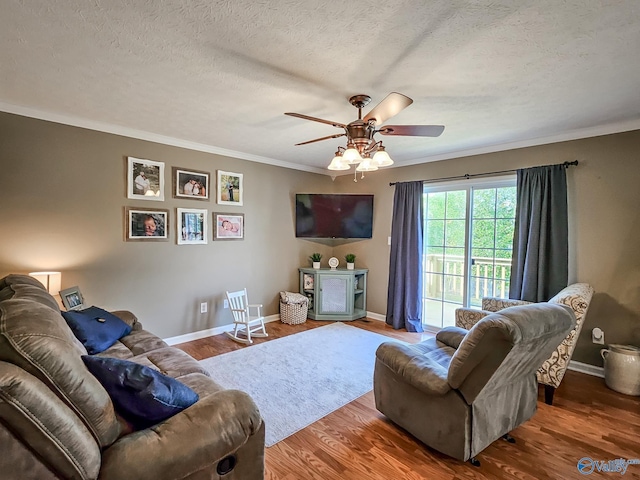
<point>228,226</point>
<point>191,184</point>
<point>191,224</point>
<point>72,298</point>
<point>146,224</point>
<point>307,282</point>
<point>229,188</point>
<point>145,179</point>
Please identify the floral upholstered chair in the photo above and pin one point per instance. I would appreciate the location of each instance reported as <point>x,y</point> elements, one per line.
<point>577,296</point>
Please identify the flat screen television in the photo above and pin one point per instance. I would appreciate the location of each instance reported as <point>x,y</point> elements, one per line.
<point>334,215</point>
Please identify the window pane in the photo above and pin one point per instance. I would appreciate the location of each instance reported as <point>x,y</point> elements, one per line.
<point>433,286</point>
<point>504,233</point>
<point>453,288</point>
<point>481,287</point>
<point>434,260</point>
<point>432,312</point>
<point>484,203</point>
<point>436,205</point>
<point>483,234</point>
<point>454,261</point>
<point>506,207</point>
<point>454,233</point>
<point>457,204</point>
<point>435,233</point>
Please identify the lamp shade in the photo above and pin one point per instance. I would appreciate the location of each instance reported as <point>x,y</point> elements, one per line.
<point>52,281</point>
<point>382,158</point>
<point>351,155</point>
<point>338,163</point>
<point>366,166</point>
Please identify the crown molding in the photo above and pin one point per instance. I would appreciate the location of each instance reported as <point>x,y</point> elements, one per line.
<point>148,136</point>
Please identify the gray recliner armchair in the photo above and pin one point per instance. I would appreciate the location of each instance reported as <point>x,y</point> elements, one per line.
<point>462,390</point>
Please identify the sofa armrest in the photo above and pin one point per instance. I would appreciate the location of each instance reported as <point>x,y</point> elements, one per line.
<point>129,318</point>
<point>467,317</point>
<point>451,336</point>
<point>194,440</point>
<point>414,367</point>
<point>495,304</point>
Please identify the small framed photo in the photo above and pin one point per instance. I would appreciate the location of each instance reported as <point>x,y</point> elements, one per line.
<point>192,226</point>
<point>147,224</point>
<point>307,282</point>
<point>228,226</point>
<point>229,188</point>
<point>72,299</point>
<point>145,179</point>
<point>190,184</point>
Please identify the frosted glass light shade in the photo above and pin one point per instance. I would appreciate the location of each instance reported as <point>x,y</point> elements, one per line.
<point>366,166</point>
<point>338,163</point>
<point>351,155</point>
<point>382,158</point>
<point>52,281</point>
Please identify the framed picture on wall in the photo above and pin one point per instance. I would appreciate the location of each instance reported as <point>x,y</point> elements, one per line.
<point>146,224</point>
<point>192,226</point>
<point>229,188</point>
<point>145,179</point>
<point>72,299</point>
<point>190,184</point>
<point>228,226</point>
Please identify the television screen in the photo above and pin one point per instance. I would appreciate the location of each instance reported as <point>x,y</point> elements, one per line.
<point>334,216</point>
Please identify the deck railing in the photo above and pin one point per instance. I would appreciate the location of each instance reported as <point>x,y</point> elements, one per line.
<point>489,277</point>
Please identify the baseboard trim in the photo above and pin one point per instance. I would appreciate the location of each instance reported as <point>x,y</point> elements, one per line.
<point>376,316</point>
<point>189,337</point>
<point>586,368</point>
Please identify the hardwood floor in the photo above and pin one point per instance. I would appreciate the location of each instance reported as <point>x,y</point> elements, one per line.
<point>357,442</point>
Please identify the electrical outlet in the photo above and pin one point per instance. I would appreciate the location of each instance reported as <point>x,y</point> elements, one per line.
<point>225,304</point>
<point>597,336</point>
<point>203,307</point>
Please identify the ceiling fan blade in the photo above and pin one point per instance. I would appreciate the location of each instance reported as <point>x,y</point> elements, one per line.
<point>323,138</point>
<point>314,119</point>
<point>391,105</point>
<point>413,130</point>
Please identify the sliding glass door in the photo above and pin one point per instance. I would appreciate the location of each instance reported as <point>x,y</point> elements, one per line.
<point>468,234</point>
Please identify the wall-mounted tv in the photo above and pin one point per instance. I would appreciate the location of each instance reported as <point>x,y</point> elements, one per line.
<point>334,215</point>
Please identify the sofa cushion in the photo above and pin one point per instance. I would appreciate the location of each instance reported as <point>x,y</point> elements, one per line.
<point>96,328</point>
<point>137,342</point>
<point>141,395</point>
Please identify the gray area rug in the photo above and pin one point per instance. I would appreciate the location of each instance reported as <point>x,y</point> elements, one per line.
<point>298,379</point>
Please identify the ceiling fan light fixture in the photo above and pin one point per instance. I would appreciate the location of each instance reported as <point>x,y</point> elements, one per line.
<point>382,158</point>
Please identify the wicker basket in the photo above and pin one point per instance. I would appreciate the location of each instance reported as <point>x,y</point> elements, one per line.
<point>293,308</point>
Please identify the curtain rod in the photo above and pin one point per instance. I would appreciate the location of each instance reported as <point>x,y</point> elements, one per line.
<point>467,175</point>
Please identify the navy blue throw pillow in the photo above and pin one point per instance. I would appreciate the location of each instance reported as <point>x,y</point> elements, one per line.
<point>143,396</point>
<point>96,328</point>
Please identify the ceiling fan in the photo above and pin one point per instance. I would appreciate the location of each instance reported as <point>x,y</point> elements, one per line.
<point>362,148</point>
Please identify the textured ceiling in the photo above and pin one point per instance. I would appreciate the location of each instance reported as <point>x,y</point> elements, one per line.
<point>218,75</point>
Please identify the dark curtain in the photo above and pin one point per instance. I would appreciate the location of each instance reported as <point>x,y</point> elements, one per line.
<point>539,268</point>
<point>404,302</point>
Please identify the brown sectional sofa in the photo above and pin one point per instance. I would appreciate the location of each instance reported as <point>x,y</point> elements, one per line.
<point>57,421</point>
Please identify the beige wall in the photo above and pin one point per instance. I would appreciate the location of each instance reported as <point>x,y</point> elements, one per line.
<point>604,211</point>
<point>63,197</point>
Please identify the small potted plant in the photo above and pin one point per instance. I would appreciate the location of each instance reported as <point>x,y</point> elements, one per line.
<point>351,259</point>
<point>315,258</point>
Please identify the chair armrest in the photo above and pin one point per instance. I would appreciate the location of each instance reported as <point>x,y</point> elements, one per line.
<point>129,318</point>
<point>495,304</point>
<point>192,441</point>
<point>451,336</point>
<point>467,317</point>
<point>414,367</point>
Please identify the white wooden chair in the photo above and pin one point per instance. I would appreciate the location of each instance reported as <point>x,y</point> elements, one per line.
<point>245,324</point>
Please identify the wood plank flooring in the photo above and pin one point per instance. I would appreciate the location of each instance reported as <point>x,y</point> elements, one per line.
<point>357,442</point>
